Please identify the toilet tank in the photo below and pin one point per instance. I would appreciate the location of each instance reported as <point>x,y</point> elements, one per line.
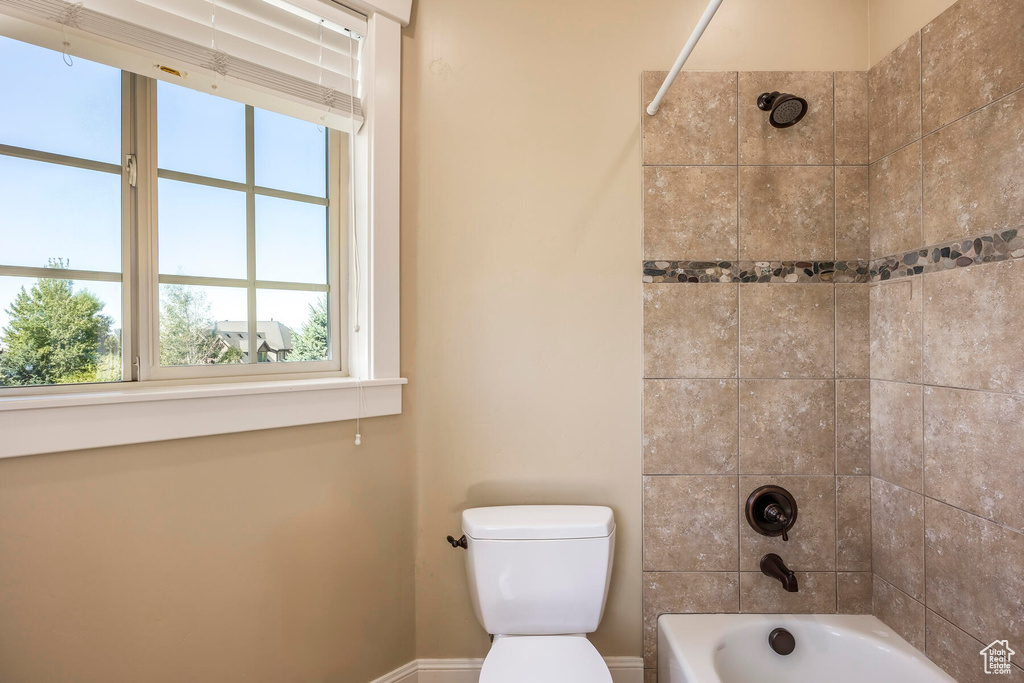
<point>539,569</point>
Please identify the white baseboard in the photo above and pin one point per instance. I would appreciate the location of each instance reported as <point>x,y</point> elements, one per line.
<point>623,670</point>
<point>403,674</point>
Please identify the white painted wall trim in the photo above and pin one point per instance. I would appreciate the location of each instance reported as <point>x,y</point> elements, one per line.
<point>138,413</point>
<point>623,670</point>
<point>403,674</point>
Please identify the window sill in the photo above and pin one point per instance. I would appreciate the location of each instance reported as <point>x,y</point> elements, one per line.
<point>48,423</point>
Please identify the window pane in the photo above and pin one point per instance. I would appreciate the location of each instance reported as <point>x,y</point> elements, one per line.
<point>202,325</point>
<point>201,230</point>
<point>294,326</point>
<point>291,241</point>
<point>58,212</point>
<point>52,107</point>
<point>291,154</point>
<point>199,133</point>
<point>59,331</point>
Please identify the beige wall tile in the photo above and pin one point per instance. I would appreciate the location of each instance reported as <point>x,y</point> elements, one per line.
<point>853,426</point>
<point>972,53</point>
<point>787,331</point>
<point>760,594</point>
<point>681,133</point>
<point>690,330</point>
<point>974,173</point>
<point>684,593</point>
<point>895,202</point>
<point>853,524</point>
<point>896,330</point>
<point>957,652</point>
<point>787,212</point>
<point>650,676</point>
<point>974,452</point>
<point>900,612</point>
<point>853,237</point>
<point>974,573</point>
<point>787,426</point>
<point>811,544</point>
<point>974,327</point>
<point>894,108</point>
<point>853,332</point>
<point>853,592</point>
<point>897,537</point>
<point>851,117</point>
<point>690,213</point>
<point>690,523</point>
<point>897,443</point>
<point>691,426</point>
<point>808,142</point>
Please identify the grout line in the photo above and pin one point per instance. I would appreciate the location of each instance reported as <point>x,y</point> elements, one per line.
<point>759,379</point>
<point>948,387</point>
<point>944,126</point>
<point>939,501</point>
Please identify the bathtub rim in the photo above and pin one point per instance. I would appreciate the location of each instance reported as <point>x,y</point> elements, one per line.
<point>709,629</point>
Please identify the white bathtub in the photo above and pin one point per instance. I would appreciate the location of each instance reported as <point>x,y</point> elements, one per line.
<point>733,648</point>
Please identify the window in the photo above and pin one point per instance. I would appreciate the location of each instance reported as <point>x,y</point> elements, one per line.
<point>247,237</point>
<point>244,265</point>
<point>196,241</point>
<point>61,233</point>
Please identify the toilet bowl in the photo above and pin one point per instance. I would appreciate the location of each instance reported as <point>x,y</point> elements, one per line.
<point>544,659</point>
<point>538,579</point>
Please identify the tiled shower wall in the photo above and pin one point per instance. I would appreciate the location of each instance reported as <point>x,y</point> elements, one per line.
<point>756,358</point>
<point>764,290</point>
<point>947,335</point>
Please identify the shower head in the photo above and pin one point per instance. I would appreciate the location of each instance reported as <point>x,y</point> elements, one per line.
<point>786,109</point>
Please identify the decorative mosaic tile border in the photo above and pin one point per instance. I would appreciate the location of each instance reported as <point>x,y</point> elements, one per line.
<point>756,271</point>
<point>998,246</point>
<point>990,248</point>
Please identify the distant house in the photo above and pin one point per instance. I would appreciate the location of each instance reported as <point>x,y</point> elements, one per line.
<point>274,340</point>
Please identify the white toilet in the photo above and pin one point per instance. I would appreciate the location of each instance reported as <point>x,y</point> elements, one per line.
<point>538,578</point>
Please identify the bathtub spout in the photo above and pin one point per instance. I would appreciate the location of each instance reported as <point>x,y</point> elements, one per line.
<point>773,566</point>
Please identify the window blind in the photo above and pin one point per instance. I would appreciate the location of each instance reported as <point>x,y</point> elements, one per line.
<point>290,47</point>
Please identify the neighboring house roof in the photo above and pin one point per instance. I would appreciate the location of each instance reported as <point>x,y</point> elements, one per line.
<point>271,335</point>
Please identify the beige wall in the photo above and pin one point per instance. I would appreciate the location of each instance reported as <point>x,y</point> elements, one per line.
<point>271,556</point>
<point>522,257</point>
<point>285,554</point>
<point>893,21</point>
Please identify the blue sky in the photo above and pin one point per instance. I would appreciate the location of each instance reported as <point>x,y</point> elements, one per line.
<point>52,211</point>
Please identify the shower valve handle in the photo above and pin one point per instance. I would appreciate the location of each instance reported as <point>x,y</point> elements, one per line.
<point>775,514</point>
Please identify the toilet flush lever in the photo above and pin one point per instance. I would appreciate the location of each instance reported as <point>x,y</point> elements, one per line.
<point>461,543</point>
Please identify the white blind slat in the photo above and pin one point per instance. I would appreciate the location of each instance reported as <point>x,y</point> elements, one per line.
<point>256,41</point>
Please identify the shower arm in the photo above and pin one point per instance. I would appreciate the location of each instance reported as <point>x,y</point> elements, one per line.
<point>705,19</point>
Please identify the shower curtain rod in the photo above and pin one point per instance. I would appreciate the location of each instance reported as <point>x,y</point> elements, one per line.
<point>705,19</point>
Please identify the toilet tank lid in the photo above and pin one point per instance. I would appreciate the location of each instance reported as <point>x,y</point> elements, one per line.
<point>538,522</point>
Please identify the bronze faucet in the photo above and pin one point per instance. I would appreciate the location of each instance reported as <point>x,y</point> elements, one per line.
<point>773,566</point>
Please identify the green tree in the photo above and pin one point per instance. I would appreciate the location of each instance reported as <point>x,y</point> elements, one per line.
<point>55,335</point>
<point>230,354</point>
<point>311,343</point>
<point>186,328</point>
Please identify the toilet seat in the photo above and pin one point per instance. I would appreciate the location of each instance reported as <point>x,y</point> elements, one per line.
<point>544,659</point>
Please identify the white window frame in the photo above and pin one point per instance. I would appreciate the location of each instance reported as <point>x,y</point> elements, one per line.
<point>368,383</point>
<point>149,278</point>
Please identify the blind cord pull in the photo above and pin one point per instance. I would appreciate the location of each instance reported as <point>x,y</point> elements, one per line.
<point>70,17</point>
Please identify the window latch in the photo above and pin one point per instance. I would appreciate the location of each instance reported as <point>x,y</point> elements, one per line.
<point>131,167</point>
